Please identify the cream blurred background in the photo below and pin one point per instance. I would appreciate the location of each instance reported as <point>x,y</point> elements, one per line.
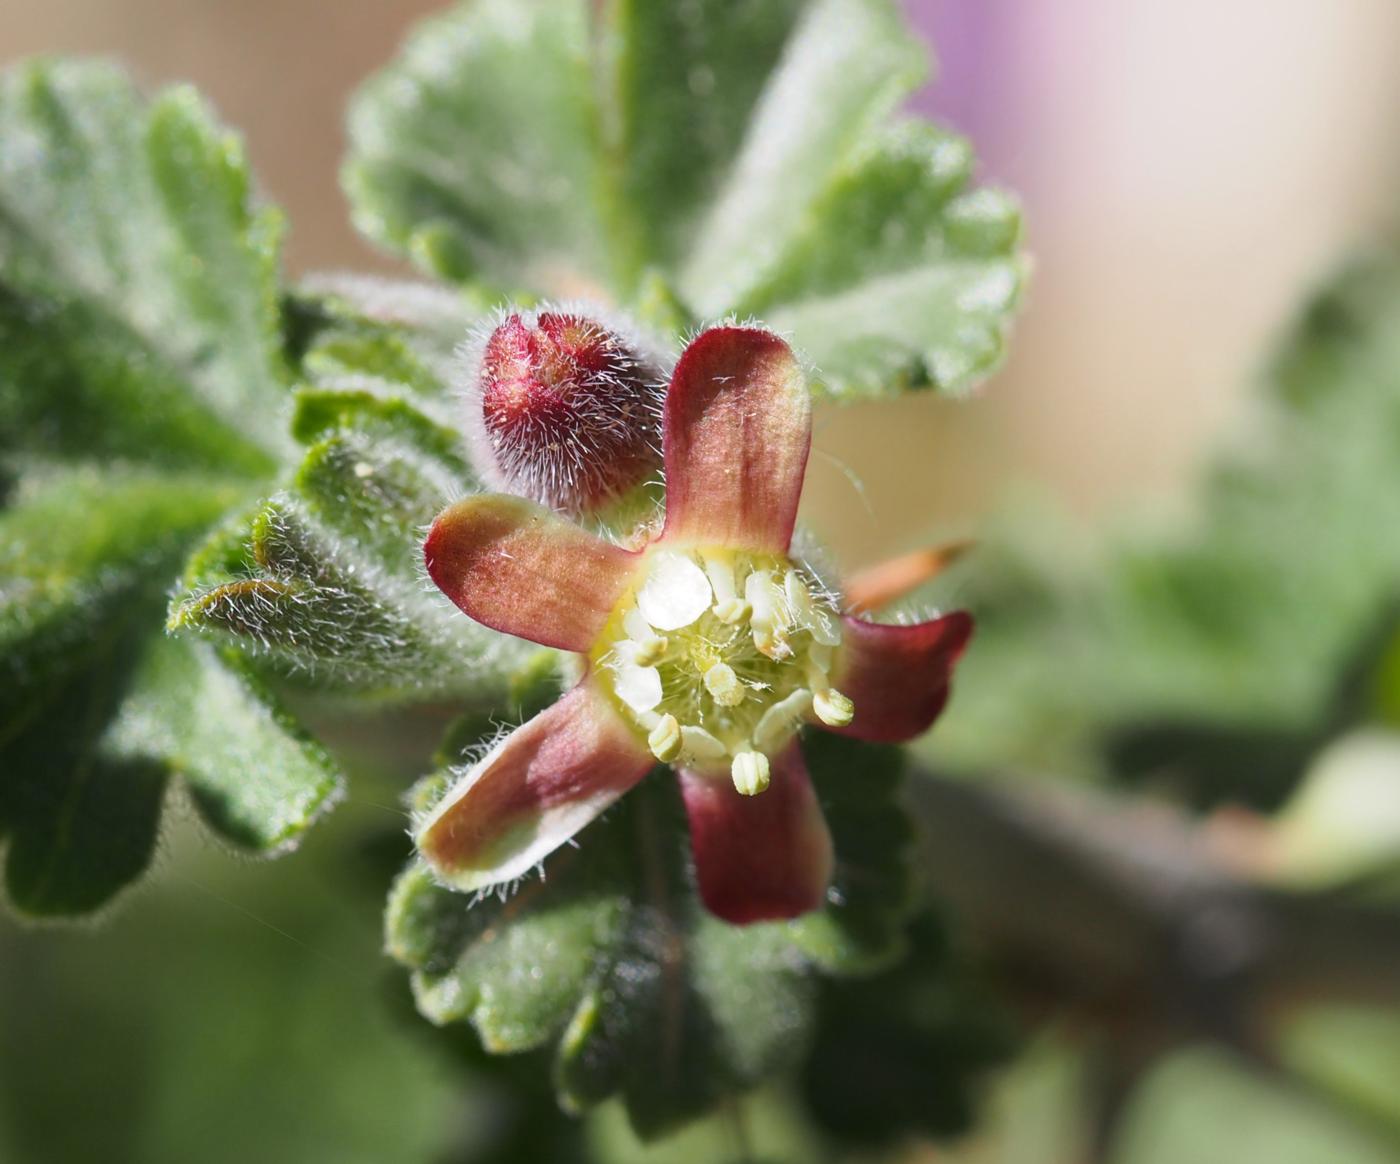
<point>1188,171</point>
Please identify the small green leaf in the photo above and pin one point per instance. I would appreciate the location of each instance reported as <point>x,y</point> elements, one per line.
<point>138,290</point>
<point>610,958</point>
<point>325,607</point>
<point>391,374</point>
<point>372,411</point>
<point>444,169</point>
<point>326,578</point>
<point>420,363</point>
<point>257,779</point>
<point>431,318</point>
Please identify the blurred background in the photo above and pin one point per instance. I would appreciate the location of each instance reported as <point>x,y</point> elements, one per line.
<point>1189,171</point>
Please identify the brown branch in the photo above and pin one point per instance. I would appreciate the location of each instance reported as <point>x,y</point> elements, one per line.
<point>1125,914</point>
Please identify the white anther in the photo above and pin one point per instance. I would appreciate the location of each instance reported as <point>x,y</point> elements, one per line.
<point>777,723</point>
<point>724,685</point>
<point>750,773</point>
<point>833,708</point>
<point>675,593</point>
<point>795,591</point>
<point>697,745</point>
<point>665,739</point>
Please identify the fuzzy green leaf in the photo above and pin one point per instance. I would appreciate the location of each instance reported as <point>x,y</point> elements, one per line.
<point>611,959</point>
<point>325,578</point>
<point>141,323</point>
<point>740,160</point>
<point>477,153</point>
<point>847,66</point>
<point>920,289</point>
<point>325,606</point>
<point>700,65</point>
<point>138,309</point>
<point>394,333</point>
<point>88,558</point>
<point>257,779</point>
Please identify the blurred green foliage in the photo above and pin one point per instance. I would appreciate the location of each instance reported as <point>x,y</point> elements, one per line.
<point>1215,658</point>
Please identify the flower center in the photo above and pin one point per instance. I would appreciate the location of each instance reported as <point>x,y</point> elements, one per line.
<point>718,657</point>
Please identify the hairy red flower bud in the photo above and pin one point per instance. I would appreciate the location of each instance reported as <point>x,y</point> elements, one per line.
<point>564,410</point>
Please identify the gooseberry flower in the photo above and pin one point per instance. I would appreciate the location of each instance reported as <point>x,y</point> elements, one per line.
<point>706,647</point>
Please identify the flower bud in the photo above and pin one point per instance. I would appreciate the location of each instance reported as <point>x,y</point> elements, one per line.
<point>564,411</point>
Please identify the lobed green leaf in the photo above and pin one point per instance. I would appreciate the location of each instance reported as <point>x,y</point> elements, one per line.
<point>847,66</point>
<point>256,777</point>
<point>701,66</point>
<point>920,290</point>
<point>138,289</point>
<point>714,159</point>
<point>88,557</point>
<point>444,168</point>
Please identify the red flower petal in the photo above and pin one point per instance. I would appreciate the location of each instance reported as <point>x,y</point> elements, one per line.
<point>518,568</point>
<point>532,792</point>
<point>898,676</point>
<point>738,427</point>
<point>758,858</point>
